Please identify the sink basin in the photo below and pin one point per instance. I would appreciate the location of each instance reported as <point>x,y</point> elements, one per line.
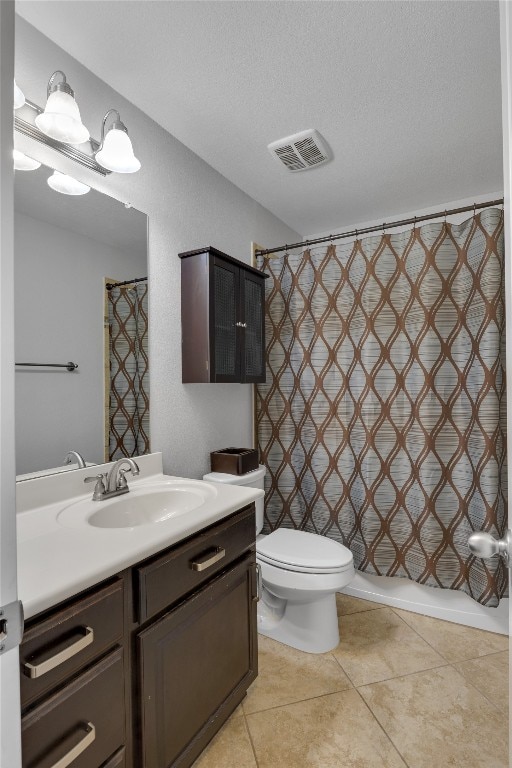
<point>145,505</point>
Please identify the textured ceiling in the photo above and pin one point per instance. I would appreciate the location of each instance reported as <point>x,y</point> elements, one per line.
<point>407,94</point>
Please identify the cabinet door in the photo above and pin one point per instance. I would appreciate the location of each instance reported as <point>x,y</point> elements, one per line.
<point>252,300</point>
<point>195,665</point>
<point>224,322</point>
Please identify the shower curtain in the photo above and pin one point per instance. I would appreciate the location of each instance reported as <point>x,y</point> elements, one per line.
<point>382,419</point>
<point>129,374</point>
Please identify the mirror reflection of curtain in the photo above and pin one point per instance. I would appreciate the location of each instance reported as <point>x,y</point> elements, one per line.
<point>129,370</point>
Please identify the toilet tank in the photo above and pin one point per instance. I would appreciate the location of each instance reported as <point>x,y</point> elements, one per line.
<point>254,479</point>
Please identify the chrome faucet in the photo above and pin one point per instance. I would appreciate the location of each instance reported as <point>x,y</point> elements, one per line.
<point>112,483</point>
<point>116,480</point>
<point>68,459</point>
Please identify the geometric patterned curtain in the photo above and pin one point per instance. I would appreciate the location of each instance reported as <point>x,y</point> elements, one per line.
<point>382,419</point>
<point>129,370</point>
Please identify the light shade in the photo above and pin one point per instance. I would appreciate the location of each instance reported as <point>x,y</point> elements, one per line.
<point>61,117</point>
<point>116,153</point>
<point>67,185</point>
<point>23,162</point>
<point>19,96</point>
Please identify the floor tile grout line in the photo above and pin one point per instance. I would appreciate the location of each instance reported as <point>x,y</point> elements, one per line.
<point>323,696</point>
<point>403,677</point>
<point>299,701</point>
<point>472,658</point>
<point>432,669</point>
<point>466,682</point>
<point>472,685</point>
<point>338,662</point>
<point>446,662</point>
<point>365,610</point>
<point>374,715</point>
<point>251,740</point>
<point>407,674</point>
<point>485,656</point>
<point>382,728</point>
<point>421,636</point>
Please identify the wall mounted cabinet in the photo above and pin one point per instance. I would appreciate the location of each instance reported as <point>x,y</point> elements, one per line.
<point>222,319</point>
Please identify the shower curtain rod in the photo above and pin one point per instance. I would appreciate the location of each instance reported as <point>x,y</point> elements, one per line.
<point>365,230</point>
<point>109,286</point>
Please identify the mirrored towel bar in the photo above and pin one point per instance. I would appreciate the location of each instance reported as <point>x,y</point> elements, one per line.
<point>69,366</point>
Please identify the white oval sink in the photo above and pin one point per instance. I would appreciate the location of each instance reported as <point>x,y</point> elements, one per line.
<point>140,506</point>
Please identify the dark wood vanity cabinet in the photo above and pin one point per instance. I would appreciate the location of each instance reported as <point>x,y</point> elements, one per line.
<point>222,319</point>
<point>142,671</point>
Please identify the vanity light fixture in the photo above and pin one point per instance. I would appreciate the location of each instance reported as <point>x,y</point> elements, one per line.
<point>60,127</point>
<point>23,162</point>
<point>61,117</point>
<point>67,185</point>
<point>19,96</point>
<point>116,152</point>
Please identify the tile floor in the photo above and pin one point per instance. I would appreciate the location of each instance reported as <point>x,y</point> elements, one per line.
<point>400,691</point>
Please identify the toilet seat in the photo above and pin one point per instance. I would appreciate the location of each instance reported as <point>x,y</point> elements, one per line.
<point>303,552</point>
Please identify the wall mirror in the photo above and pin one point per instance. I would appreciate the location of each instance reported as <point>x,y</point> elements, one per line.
<point>80,279</point>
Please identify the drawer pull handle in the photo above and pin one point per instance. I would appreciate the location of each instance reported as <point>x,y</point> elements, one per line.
<point>209,559</point>
<point>78,749</point>
<point>37,670</point>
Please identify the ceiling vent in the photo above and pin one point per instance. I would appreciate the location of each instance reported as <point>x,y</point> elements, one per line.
<point>301,151</point>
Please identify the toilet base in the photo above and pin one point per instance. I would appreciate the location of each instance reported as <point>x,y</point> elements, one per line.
<point>308,626</point>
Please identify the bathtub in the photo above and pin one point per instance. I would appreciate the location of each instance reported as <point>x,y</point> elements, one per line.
<point>447,604</point>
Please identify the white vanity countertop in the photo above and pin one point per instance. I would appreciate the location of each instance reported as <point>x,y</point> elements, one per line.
<point>56,562</point>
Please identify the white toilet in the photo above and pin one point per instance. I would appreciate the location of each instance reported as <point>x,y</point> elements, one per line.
<point>301,573</point>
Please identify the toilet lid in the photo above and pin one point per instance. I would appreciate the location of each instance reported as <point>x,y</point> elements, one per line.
<point>301,551</point>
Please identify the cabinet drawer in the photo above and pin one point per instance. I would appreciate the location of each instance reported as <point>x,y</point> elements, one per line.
<point>60,645</point>
<point>183,568</point>
<point>83,721</point>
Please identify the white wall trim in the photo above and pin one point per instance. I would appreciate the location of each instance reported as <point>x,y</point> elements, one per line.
<point>10,729</point>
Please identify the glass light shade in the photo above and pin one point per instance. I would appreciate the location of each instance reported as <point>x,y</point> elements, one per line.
<point>67,185</point>
<point>23,162</point>
<point>117,153</point>
<point>19,96</point>
<point>61,119</point>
